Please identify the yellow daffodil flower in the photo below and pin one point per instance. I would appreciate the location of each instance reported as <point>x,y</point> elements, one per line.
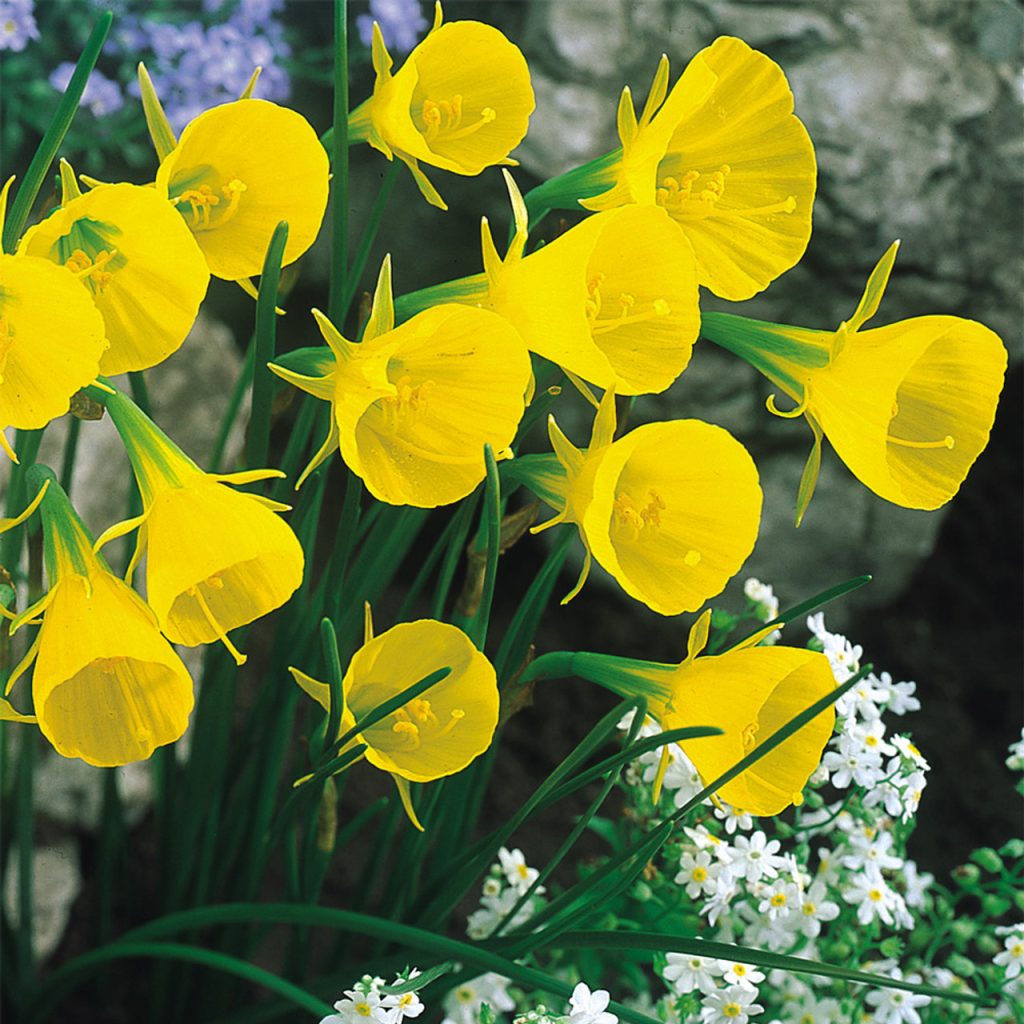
<point>434,735</point>
<point>236,172</point>
<point>106,686</point>
<point>414,405</point>
<point>749,693</point>
<point>142,266</point>
<point>613,300</point>
<point>461,101</point>
<point>724,155</point>
<point>217,558</point>
<point>51,339</point>
<point>671,510</point>
<point>908,407</point>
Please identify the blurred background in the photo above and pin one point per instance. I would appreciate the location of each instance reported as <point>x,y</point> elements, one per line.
<point>915,108</point>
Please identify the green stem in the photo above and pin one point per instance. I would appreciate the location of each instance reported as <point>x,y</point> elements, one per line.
<point>140,393</point>
<point>339,168</point>
<point>55,132</point>
<point>258,441</point>
<point>26,444</point>
<point>369,234</point>
<point>491,520</point>
<point>67,469</point>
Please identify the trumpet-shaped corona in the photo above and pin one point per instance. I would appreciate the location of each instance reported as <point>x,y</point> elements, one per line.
<point>908,407</point>
<point>51,339</point>
<point>671,510</point>
<point>217,558</point>
<point>106,686</point>
<point>141,264</point>
<point>613,300</point>
<point>413,406</point>
<point>461,101</point>
<point>236,172</point>
<point>436,734</point>
<point>724,155</point>
<point>749,694</point>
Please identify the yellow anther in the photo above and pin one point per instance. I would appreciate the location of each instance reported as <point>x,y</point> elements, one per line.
<point>691,558</point>
<point>946,442</point>
<point>455,716</point>
<point>749,734</point>
<point>215,582</point>
<point>420,710</point>
<point>109,666</point>
<point>407,731</point>
<point>638,519</point>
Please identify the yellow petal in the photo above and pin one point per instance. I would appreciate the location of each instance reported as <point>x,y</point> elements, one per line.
<point>675,513</point>
<point>107,687</point>
<point>262,164</point>
<point>51,340</point>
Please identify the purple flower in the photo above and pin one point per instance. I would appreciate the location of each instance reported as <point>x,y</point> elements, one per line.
<point>101,96</point>
<point>401,23</point>
<point>17,24</point>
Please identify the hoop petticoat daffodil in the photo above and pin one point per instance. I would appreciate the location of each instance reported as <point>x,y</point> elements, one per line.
<point>216,558</point>
<point>671,510</point>
<point>413,406</point>
<point>236,172</point>
<point>461,101</point>
<point>141,264</point>
<point>908,407</point>
<point>614,300</point>
<point>724,155</point>
<point>106,686</point>
<point>51,339</point>
<point>432,736</point>
<point>749,693</point>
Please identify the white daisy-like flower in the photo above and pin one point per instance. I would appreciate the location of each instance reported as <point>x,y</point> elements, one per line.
<point>699,873</point>
<point>746,976</point>
<point>1011,958</point>
<point>515,869</point>
<point>853,762</point>
<point>755,857</point>
<point>586,1007</point>
<point>895,1006</point>
<point>871,736</point>
<point>871,895</point>
<point>733,1005</point>
<point>779,900</point>
<point>686,972</point>
<point>815,908</point>
<point>734,818</point>
<point>462,1004</point>
<point>360,1007</point>
<point>705,840</point>
<point>872,850</point>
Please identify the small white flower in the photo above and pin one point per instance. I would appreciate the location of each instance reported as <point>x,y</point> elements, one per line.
<point>871,736</point>
<point>1015,762</point>
<point>894,1006</point>
<point>871,895</point>
<point>586,1007</point>
<point>899,697</point>
<point>462,1004</point>
<point>754,857</point>
<point>1012,956</point>
<point>734,818</point>
<point>720,901</point>
<point>816,908</point>
<point>688,973</point>
<point>874,850</point>
<point>514,867</point>
<point>733,1005</point>
<point>359,1008</point>
<point>779,900</point>
<point>491,886</point>
<point>705,840</point>
<point>766,604</point>
<point>408,1004</point>
<point>910,752</point>
<point>698,873</point>
<point>853,762</point>
<point>746,976</point>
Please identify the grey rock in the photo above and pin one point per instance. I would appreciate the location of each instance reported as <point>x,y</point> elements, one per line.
<point>56,883</point>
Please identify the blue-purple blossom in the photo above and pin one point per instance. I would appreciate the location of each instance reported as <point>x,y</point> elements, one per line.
<point>402,23</point>
<point>17,24</point>
<point>101,97</point>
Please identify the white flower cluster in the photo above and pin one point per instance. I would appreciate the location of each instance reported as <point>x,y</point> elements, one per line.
<point>1010,961</point>
<point>506,884</point>
<point>764,605</point>
<point>463,1003</point>
<point>585,1007</point>
<point>366,1003</point>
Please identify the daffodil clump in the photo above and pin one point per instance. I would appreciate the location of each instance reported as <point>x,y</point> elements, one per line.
<point>394,448</point>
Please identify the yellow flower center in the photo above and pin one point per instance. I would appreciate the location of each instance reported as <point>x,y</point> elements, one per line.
<point>732,1010</point>
<point>809,909</point>
<point>778,899</point>
<point>617,312</point>
<point>364,1009</point>
<point>875,895</point>
<point>699,874</point>
<point>636,520</point>
<point>211,207</point>
<point>693,195</point>
<point>417,715</point>
<point>523,871</point>
<point>445,120</point>
<point>465,994</point>
<point>739,970</point>
<point>94,270</point>
<point>409,401</point>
